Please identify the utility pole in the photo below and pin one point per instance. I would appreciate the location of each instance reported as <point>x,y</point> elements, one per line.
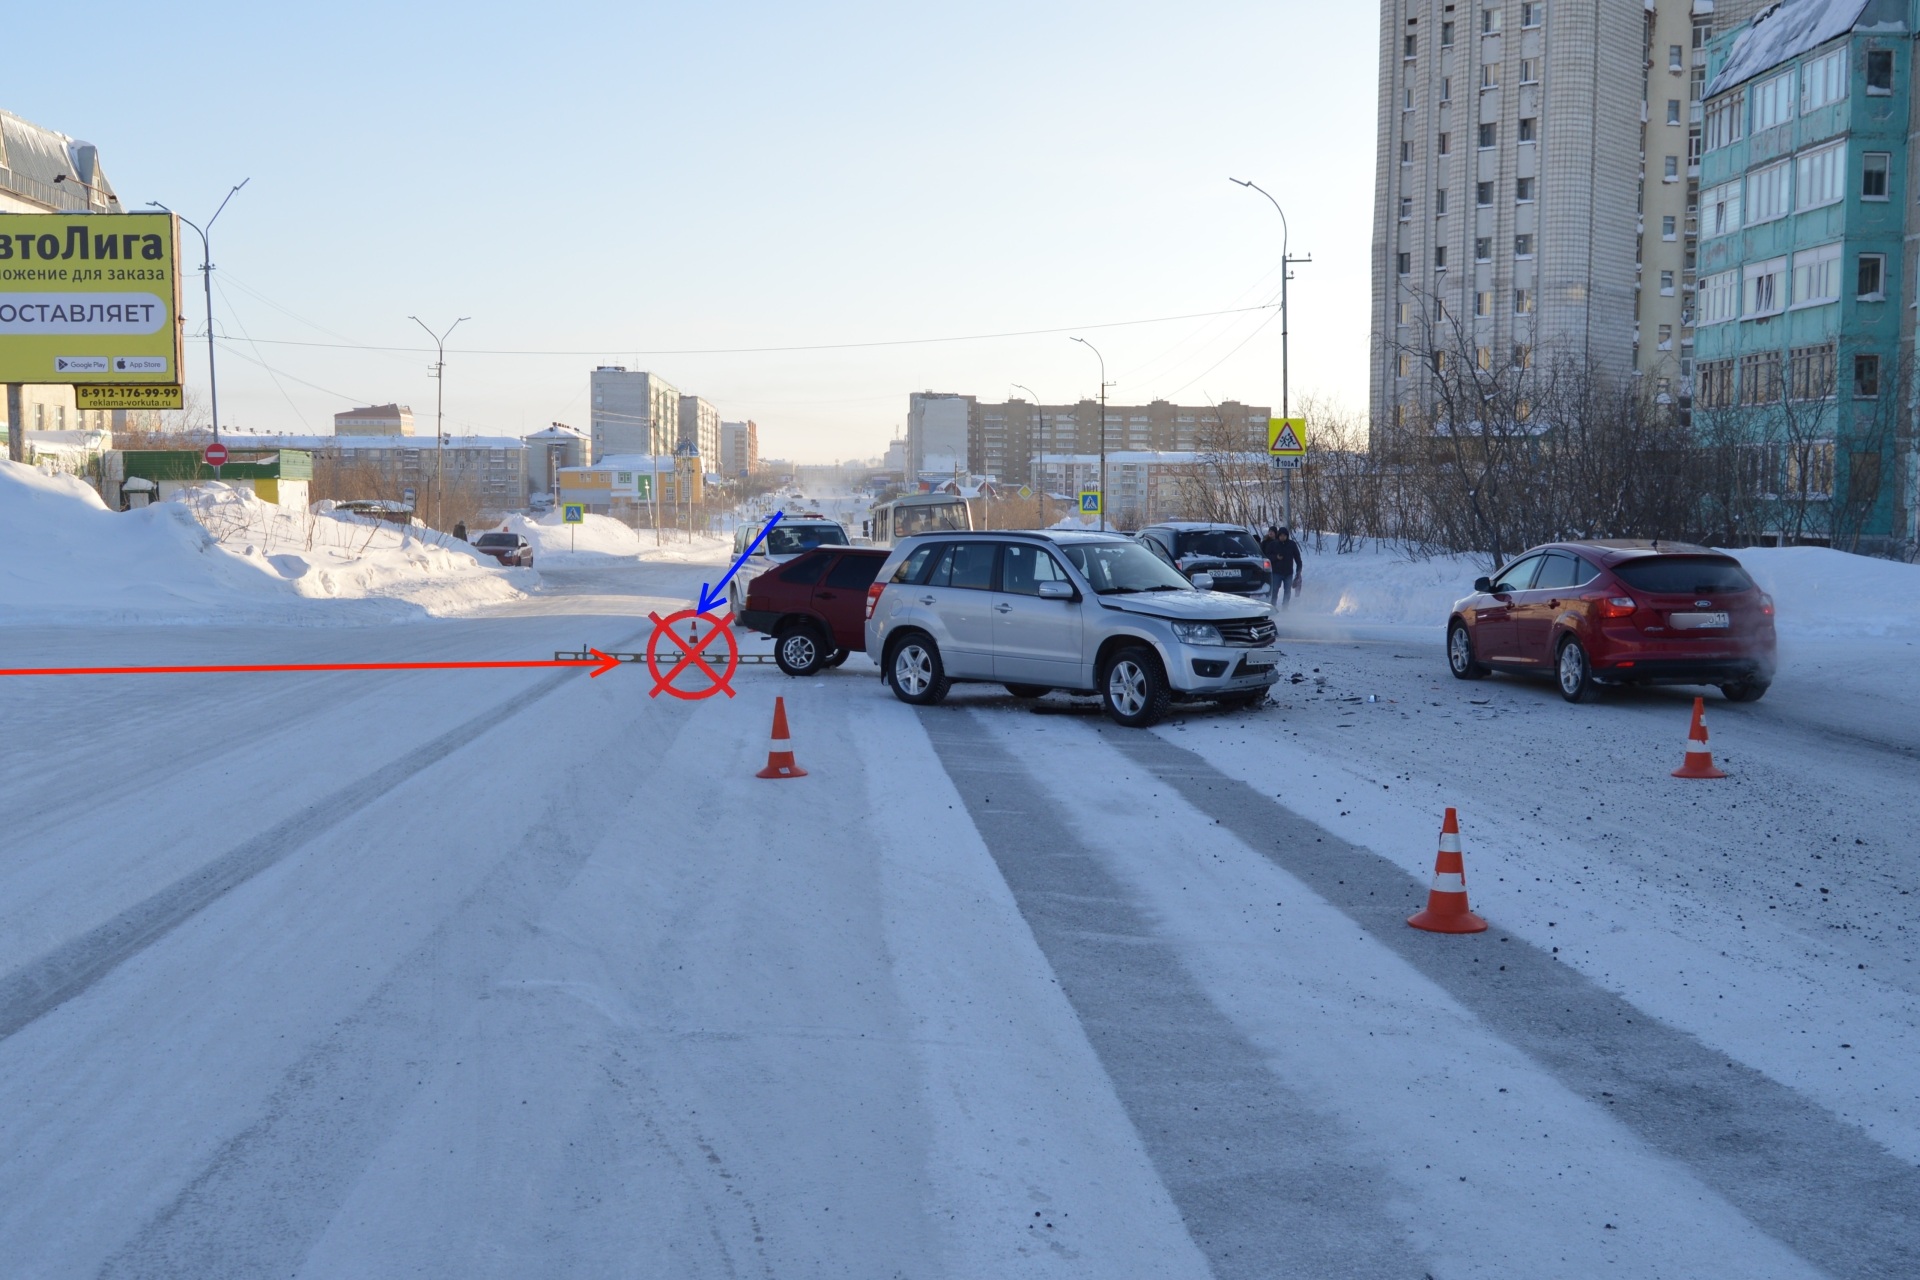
<point>1036,470</point>
<point>1286,273</point>
<point>1104,384</point>
<point>440,415</point>
<point>16,424</point>
<point>206,274</point>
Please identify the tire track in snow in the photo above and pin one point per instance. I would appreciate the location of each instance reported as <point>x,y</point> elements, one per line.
<point>1804,1176</point>
<point>37,988</point>
<point>1266,1184</point>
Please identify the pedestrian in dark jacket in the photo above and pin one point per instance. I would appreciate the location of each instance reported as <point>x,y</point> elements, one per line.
<point>1287,563</point>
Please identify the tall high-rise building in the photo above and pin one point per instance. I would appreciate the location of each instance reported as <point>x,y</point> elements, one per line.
<point>1533,194</point>
<point>739,447</point>
<point>700,428</point>
<point>633,412</point>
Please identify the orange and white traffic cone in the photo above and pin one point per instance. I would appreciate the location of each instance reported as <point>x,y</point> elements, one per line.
<point>1699,761</point>
<point>1447,900</point>
<point>780,752</point>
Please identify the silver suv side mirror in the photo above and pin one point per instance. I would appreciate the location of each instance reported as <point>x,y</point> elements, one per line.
<point>1056,590</point>
<point>1203,582</point>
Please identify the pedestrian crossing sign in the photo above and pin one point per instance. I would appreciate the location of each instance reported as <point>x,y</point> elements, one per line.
<point>1089,502</point>
<point>573,513</point>
<point>1287,437</point>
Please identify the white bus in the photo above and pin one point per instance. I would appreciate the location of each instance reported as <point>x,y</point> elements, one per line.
<point>918,513</point>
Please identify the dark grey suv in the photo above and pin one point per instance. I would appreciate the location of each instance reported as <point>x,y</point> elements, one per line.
<point>1227,553</point>
<point>1085,612</point>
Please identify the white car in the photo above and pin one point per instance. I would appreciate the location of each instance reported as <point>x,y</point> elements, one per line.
<point>793,536</point>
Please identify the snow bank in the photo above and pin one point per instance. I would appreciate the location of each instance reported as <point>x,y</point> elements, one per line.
<point>1816,591</point>
<point>599,540</point>
<point>217,554</point>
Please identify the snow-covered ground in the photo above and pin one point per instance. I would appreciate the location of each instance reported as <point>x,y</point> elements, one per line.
<point>510,973</point>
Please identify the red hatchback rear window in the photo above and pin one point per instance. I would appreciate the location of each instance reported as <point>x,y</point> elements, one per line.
<point>1680,575</point>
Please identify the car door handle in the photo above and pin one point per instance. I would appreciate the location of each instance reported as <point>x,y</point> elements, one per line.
<point>823,595</point>
<point>1003,608</point>
<point>926,599</point>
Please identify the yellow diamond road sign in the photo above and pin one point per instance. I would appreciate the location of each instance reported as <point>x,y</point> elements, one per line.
<point>1287,437</point>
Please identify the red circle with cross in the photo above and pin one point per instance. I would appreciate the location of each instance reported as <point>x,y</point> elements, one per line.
<point>692,654</point>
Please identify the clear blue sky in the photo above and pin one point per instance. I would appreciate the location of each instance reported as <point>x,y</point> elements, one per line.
<point>624,180</point>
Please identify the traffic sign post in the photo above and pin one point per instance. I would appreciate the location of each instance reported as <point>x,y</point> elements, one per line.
<point>1286,446</point>
<point>215,456</point>
<point>573,514</point>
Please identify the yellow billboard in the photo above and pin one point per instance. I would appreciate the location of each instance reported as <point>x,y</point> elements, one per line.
<point>129,395</point>
<point>91,298</point>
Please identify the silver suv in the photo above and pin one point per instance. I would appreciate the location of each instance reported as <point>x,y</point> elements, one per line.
<point>1083,612</point>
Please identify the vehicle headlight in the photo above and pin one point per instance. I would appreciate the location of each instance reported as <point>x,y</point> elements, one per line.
<point>1197,632</point>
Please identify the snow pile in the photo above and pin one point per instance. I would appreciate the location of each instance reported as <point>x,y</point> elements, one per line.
<point>597,541</point>
<point>71,560</point>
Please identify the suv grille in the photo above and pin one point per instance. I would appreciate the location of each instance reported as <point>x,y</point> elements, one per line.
<point>1252,632</point>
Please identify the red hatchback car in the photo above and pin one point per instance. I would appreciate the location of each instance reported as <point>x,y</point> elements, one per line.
<point>1618,612</point>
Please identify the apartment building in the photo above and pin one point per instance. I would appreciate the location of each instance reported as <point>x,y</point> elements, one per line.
<point>633,411</point>
<point>1532,190</point>
<point>374,420</point>
<point>1012,440</point>
<point>700,431</point>
<point>739,447</point>
<point>1804,340</point>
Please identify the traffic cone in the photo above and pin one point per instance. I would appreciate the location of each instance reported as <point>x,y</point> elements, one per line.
<point>780,752</point>
<point>1447,900</point>
<point>1699,761</point>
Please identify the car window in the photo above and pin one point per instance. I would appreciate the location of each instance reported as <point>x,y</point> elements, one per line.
<point>1676,575</point>
<point>1158,548</point>
<point>495,540</point>
<point>937,517</point>
<point>739,540</point>
<point>1220,543</point>
<point>1583,573</point>
<point>853,573</point>
<point>914,567</point>
<point>883,525</point>
<point>1119,568</point>
<point>1517,576</point>
<point>972,565</point>
<point>1023,568</point>
<point>1557,571</point>
<point>804,571</point>
<point>788,540</point>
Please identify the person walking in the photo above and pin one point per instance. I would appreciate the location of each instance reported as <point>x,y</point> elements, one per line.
<point>1287,563</point>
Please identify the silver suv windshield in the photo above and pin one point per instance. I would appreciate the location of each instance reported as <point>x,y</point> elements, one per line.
<point>1122,568</point>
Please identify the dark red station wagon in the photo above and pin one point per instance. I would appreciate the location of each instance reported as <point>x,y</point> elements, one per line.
<point>814,606</point>
<point>1618,612</point>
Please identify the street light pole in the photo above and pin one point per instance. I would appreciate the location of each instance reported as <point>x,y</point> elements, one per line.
<point>440,414</point>
<point>1286,274</point>
<point>1036,471</point>
<point>1103,428</point>
<point>206,274</point>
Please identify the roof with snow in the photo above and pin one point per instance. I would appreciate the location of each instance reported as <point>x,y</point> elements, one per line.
<point>32,157</point>
<point>1794,27</point>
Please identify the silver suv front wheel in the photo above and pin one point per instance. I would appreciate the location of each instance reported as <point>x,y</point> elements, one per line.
<point>1135,690</point>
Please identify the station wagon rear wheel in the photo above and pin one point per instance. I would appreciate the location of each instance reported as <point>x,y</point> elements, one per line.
<point>800,650</point>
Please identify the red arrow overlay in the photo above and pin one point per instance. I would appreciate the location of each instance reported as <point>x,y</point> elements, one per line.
<point>600,662</point>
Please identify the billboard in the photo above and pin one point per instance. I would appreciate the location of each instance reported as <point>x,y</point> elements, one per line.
<point>91,298</point>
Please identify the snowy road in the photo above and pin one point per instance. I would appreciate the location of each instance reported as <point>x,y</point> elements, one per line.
<point>515,973</point>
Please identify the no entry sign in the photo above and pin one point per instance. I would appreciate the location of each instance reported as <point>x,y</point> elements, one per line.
<point>216,454</point>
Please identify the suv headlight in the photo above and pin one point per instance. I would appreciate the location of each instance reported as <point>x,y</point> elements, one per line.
<point>1197,632</point>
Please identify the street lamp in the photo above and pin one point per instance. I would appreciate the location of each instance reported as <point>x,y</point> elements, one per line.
<point>206,273</point>
<point>1104,384</point>
<point>439,414</point>
<point>1286,274</point>
<point>1037,471</point>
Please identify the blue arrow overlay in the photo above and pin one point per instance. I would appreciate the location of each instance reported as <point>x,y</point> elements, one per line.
<point>713,595</point>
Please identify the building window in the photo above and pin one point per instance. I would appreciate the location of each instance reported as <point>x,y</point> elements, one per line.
<point>1763,289</point>
<point>1523,246</point>
<point>1522,356</point>
<point>1489,21</point>
<point>1406,153</point>
<point>1816,276</point>
<point>1879,71</point>
<point>1403,365</point>
<point>1760,378</point>
<point>1666,337</point>
<point>1440,257</point>
<point>1446,35</point>
<point>1483,357</point>
<point>1446,88</point>
<point>1522,190</point>
<point>1676,58</point>
<point>1673,111</point>
<point>1767,191</point>
<point>1411,47</point>
<point>1402,262</point>
<point>1523,302</point>
<point>1483,194</point>
<point>1406,312</point>
<point>1669,227</point>
<point>1720,209</point>
<point>1439,360</point>
<point>1439,201</point>
<point>1726,119</point>
<point>1529,128</point>
<point>1713,384</point>
<point>1866,376</point>
<point>1489,136</point>
<point>1823,80</point>
<point>1489,75</point>
<point>1874,167</point>
<point>1408,105</point>
<point>1672,171</point>
<point>1483,303</point>
<point>1530,13</point>
<point>1773,101</point>
<point>1871,278</point>
<point>1820,176</point>
<point>1810,372</point>
<point>1666,284</point>
<point>1529,71</point>
<point>1406,208</point>
<point>1720,297</point>
<point>1445,144</point>
<point>1483,249</point>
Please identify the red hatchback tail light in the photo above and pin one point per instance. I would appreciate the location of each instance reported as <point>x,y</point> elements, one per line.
<point>1617,606</point>
<point>873,597</point>
<point>1766,604</point>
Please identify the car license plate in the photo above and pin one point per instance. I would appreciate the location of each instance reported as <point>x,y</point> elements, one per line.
<point>1699,621</point>
<point>1222,573</point>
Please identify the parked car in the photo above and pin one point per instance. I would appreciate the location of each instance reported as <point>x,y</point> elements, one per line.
<point>793,536</point>
<point>814,607</point>
<point>1094,613</point>
<point>1618,612</point>
<point>1228,554</point>
<point>507,548</point>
